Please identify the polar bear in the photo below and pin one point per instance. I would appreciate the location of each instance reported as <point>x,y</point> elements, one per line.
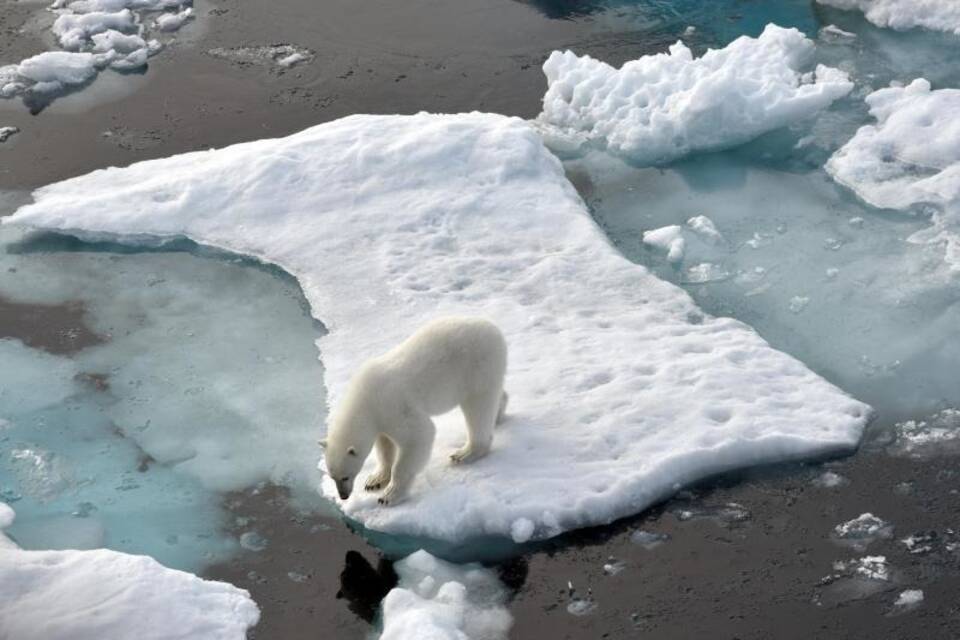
<point>450,362</point>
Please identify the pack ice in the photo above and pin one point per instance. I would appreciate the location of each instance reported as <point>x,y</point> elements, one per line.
<point>938,15</point>
<point>910,157</point>
<point>664,106</point>
<point>81,595</point>
<point>621,389</point>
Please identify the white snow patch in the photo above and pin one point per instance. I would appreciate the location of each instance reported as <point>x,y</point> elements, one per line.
<point>937,15</point>
<point>437,600</point>
<point>90,595</point>
<point>660,107</point>
<point>910,157</point>
<point>389,221</point>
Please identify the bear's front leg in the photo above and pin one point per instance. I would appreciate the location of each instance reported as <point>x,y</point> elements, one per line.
<point>386,455</point>
<point>412,454</point>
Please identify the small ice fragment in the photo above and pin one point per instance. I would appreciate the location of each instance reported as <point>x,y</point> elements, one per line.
<point>292,59</point>
<point>690,30</point>
<point>759,240</point>
<point>833,244</point>
<point>831,273</point>
<point>613,566</point>
<point>856,221</point>
<point>253,541</point>
<point>648,539</point>
<point>920,543</point>
<point>704,273</point>
<point>669,239</point>
<point>173,21</point>
<point>799,303</point>
<point>909,598</point>
<point>704,227</point>
<point>829,480</point>
<point>862,530</point>
<point>521,530</point>
<point>297,576</point>
<point>834,33</point>
<point>5,134</point>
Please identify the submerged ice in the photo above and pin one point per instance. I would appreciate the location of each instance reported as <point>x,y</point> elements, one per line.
<point>430,214</point>
<point>201,385</point>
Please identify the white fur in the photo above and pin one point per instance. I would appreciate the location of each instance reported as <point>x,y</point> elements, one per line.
<point>450,362</point>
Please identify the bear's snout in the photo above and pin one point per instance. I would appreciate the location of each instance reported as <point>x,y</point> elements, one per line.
<point>344,489</point>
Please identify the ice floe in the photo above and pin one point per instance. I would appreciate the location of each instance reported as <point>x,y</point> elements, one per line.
<point>900,163</point>
<point>437,600</point>
<point>660,107</point>
<point>621,389</point>
<point>938,15</point>
<point>90,595</point>
<point>94,35</point>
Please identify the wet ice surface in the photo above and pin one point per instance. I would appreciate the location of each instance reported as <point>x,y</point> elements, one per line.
<point>131,444</point>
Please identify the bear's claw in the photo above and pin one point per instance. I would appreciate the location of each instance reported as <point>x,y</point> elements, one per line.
<point>372,486</point>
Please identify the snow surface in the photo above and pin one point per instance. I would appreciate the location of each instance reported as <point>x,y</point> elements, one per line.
<point>910,157</point>
<point>437,600</point>
<point>939,15</point>
<point>664,106</point>
<point>621,389</point>
<point>81,595</point>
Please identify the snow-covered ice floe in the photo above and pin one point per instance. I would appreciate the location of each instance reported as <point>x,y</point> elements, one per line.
<point>660,107</point>
<point>98,594</point>
<point>910,157</point>
<point>622,390</point>
<point>937,15</point>
<point>436,599</point>
<point>94,35</point>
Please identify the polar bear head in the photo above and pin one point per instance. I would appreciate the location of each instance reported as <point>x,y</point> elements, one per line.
<point>348,443</point>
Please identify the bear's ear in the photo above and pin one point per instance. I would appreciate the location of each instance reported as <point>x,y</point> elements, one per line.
<point>322,442</point>
<point>352,451</point>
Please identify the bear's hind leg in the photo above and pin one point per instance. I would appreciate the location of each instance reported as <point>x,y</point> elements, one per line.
<point>481,412</point>
<point>413,452</point>
<point>386,455</point>
<point>502,412</point>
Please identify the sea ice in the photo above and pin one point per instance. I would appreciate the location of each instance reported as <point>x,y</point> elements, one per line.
<point>660,107</point>
<point>621,389</point>
<point>898,164</point>
<point>442,601</point>
<point>94,34</point>
<point>939,15</point>
<point>91,595</point>
<point>939,434</point>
